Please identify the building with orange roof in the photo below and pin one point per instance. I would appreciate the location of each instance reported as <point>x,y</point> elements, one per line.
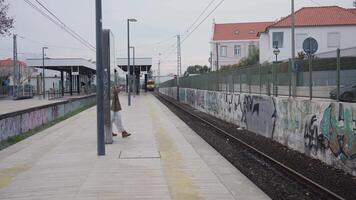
<point>332,26</point>
<point>7,71</point>
<point>233,41</point>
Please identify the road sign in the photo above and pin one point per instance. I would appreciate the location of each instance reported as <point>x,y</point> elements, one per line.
<point>310,46</point>
<point>296,67</point>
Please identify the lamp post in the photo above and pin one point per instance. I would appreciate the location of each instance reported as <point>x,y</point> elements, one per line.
<point>128,57</point>
<point>43,72</point>
<point>276,52</point>
<point>134,70</point>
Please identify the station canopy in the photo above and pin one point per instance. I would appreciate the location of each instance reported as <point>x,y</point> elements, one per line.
<point>141,64</point>
<point>64,64</point>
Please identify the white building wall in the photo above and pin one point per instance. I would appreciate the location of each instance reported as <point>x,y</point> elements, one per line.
<point>347,40</point>
<point>231,58</point>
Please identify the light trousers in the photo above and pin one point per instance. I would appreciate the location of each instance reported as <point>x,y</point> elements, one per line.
<point>117,121</point>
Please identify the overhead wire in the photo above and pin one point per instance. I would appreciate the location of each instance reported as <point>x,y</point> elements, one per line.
<point>201,14</point>
<point>59,25</point>
<point>51,45</point>
<point>201,22</point>
<point>64,25</point>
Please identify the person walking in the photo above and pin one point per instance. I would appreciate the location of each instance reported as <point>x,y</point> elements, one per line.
<point>116,114</point>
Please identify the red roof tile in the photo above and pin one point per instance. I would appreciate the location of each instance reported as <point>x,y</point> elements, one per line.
<point>10,62</point>
<point>353,10</point>
<point>320,16</point>
<point>239,31</point>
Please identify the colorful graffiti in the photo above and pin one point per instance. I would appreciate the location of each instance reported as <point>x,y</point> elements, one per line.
<point>339,127</point>
<point>322,130</point>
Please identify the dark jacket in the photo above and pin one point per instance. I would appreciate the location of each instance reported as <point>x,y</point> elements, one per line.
<point>115,106</point>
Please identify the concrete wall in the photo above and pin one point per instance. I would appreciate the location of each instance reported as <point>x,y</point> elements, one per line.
<point>16,123</point>
<point>323,130</point>
<point>347,40</point>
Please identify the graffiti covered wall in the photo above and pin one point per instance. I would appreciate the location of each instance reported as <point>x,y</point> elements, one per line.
<point>320,129</point>
<point>13,124</point>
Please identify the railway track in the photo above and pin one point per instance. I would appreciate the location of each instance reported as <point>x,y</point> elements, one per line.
<point>298,177</point>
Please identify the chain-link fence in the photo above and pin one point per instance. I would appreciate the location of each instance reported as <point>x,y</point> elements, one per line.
<point>322,76</point>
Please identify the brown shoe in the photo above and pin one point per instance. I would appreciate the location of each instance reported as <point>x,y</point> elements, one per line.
<point>114,134</point>
<point>125,134</point>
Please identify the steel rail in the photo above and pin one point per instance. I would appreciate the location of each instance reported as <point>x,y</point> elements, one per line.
<point>279,164</point>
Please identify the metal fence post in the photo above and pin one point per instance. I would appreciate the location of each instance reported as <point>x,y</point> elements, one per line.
<point>290,77</point>
<point>273,79</point>
<point>249,80</point>
<point>259,74</point>
<point>240,80</point>
<point>338,75</point>
<point>310,78</point>
<point>233,82</point>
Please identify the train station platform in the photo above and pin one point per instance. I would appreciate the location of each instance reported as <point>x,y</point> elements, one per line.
<point>162,159</point>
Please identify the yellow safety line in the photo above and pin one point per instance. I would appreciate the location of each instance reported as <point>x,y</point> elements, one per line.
<point>6,175</point>
<point>180,182</point>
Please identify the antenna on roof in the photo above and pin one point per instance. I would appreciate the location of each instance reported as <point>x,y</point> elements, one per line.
<point>214,18</point>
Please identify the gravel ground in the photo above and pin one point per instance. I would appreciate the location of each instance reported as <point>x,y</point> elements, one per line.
<point>265,175</point>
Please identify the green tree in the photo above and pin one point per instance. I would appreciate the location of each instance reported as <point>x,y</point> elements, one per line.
<point>6,23</point>
<point>196,69</point>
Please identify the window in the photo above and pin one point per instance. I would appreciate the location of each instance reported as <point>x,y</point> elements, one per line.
<point>300,37</point>
<point>251,49</point>
<point>223,51</point>
<point>237,50</point>
<point>278,39</point>
<point>333,40</point>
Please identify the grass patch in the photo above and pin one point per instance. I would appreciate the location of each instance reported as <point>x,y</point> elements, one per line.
<point>15,139</point>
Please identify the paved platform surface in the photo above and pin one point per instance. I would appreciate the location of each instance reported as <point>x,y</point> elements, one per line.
<point>9,105</point>
<point>163,159</point>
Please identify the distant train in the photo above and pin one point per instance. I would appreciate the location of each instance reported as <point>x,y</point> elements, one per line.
<point>151,85</point>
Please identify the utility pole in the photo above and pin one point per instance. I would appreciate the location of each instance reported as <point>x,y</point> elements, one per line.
<point>15,63</point>
<point>294,74</point>
<point>179,64</point>
<point>43,72</point>
<point>100,80</point>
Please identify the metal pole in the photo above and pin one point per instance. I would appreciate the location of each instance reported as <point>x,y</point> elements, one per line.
<point>259,73</point>
<point>294,75</point>
<point>179,64</point>
<point>128,61</point>
<point>289,78</point>
<point>134,72</point>
<point>338,74</point>
<point>100,81</point>
<point>217,56</point>
<point>159,70</point>
<point>310,78</point>
<point>273,79</point>
<point>15,62</point>
<point>240,80</point>
<point>43,72</point>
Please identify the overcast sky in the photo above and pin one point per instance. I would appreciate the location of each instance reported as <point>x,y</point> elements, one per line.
<point>158,20</point>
